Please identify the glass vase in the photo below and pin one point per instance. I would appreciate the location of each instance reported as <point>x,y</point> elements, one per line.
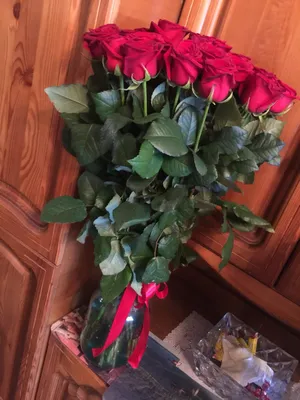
<point>100,317</point>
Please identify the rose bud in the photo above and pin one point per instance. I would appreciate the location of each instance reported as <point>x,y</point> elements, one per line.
<point>171,32</point>
<point>143,51</point>
<point>95,38</point>
<point>263,90</point>
<point>183,63</point>
<point>286,99</point>
<point>218,75</point>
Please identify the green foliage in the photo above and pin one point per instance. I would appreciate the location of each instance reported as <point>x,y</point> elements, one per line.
<point>106,103</point>
<point>148,162</point>
<point>64,209</point>
<point>69,98</point>
<point>157,270</point>
<point>143,186</point>
<point>165,135</point>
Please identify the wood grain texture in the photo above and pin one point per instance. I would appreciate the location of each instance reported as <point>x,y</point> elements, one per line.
<point>269,33</point>
<point>261,295</point>
<point>65,377</point>
<point>16,296</point>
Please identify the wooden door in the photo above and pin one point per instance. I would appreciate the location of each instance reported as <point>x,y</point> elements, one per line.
<point>41,46</point>
<point>268,32</point>
<point>64,377</point>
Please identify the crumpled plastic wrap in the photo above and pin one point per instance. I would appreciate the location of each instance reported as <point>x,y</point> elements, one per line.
<point>281,363</point>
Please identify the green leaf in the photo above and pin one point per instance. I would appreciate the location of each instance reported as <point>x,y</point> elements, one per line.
<point>245,154</point>
<point>113,285</point>
<point>265,147</point>
<point>84,232</point>
<point>149,118</point>
<point>106,103</point>
<point>148,162</point>
<point>167,219</point>
<point>114,122</point>
<point>157,271</point>
<point>253,128</point>
<point>228,141</point>
<point>115,262</point>
<point>89,142</point>
<point>66,138</point>
<point>138,184</point>
<point>166,110</point>
<point>140,249</point>
<point>89,185</point>
<point>103,197</point>
<point>169,200</point>
<point>225,226</point>
<point>239,224</point>
<point>104,226</point>
<point>193,101</point>
<point>102,248</point>
<point>200,165</point>
<point>137,107</point>
<point>227,114</point>
<point>158,98</point>
<point>64,209</point>
<point>248,179</point>
<point>69,98</point>
<point>177,166</point>
<point>168,246</point>
<point>206,180</point>
<point>186,210</point>
<point>244,167</point>
<point>155,233</point>
<point>70,119</point>
<point>246,215</point>
<point>166,136</point>
<point>189,254</point>
<point>124,149</point>
<point>204,207</point>
<point>227,250</point>
<point>273,126</point>
<point>228,183</point>
<point>188,122</point>
<point>112,205</point>
<point>129,214</point>
<point>275,161</point>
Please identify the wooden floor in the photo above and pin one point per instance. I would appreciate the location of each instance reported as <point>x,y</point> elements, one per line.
<point>191,289</point>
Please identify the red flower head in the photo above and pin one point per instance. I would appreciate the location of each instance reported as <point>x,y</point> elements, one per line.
<point>218,74</point>
<point>183,63</point>
<point>263,90</point>
<point>244,67</point>
<point>210,46</point>
<point>95,38</point>
<point>143,50</point>
<point>171,32</point>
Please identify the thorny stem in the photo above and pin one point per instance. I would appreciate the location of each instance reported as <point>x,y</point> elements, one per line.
<point>145,98</point>
<point>202,126</point>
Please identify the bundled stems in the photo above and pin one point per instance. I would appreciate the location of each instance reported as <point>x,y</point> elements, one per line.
<point>121,79</point>
<point>145,98</point>
<point>202,126</point>
<point>176,100</point>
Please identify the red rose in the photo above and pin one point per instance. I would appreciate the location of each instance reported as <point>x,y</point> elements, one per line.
<point>261,91</point>
<point>215,42</point>
<point>171,32</point>
<point>244,67</point>
<point>143,50</point>
<point>94,39</point>
<point>218,74</point>
<point>113,53</point>
<point>183,63</point>
<point>286,98</point>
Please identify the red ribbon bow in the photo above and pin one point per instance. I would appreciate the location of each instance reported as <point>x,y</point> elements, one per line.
<point>127,302</point>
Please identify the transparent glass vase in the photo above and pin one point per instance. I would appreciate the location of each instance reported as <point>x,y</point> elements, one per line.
<point>100,317</point>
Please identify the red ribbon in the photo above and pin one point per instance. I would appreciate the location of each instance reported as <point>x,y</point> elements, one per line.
<point>127,302</point>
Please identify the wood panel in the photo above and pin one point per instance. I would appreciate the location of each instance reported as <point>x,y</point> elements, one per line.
<point>16,296</point>
<point>269,33</point>
<point>289,282</point>
<point>65,377</point>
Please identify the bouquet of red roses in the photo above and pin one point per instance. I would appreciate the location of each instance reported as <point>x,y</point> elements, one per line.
<point>167,124</point>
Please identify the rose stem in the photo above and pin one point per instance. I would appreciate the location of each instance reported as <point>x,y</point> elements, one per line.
<point>121,78</point>
<point>178,89</point>
<point>145,98</point>
<point>202,125</point>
